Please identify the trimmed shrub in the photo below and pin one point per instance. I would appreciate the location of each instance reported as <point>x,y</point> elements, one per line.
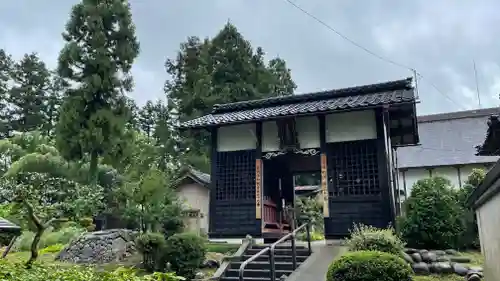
<point>152,246</point>
<point>50,237</point>
<point>185,252</point>
<point>369,266</point>
<point>369,238</point>
<point>433,218</point>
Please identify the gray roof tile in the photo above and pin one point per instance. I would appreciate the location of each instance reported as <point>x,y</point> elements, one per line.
<point>448,139</point>
<point>6,225</point>
<point>393,92</point>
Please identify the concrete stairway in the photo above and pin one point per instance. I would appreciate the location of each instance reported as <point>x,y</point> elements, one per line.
<point>259,270</point>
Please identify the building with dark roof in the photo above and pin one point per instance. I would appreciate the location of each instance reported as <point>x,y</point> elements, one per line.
<point>193,188</point>
<point>485,200</point>
<point>447,147</point>
<point>346,134</point>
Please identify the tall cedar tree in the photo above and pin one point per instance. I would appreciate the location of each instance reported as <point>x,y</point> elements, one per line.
<point>28,95</point>
<point>53,103</point>
<point>100,49</point>
<point>219,70</point>
<point>147,118</point>
<point>6,63</point>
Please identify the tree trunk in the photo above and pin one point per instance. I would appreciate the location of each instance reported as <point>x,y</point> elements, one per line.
<point>34,247</point>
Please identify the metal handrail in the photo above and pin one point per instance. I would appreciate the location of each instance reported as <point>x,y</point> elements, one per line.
<point>251,259</point>
<point>271,252</point>
<point>294,248</point>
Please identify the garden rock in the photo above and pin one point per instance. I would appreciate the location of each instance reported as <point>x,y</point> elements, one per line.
<point>443,258</point>
<point>199,275</point>
<point>439,253</point>
<point>476,268</point>
<point>473,277</point>
<point>451,252</point>
<point>407,258</point>
<point>100,247</point>
<point>460,259</point>
<point>421,268</point>
<point>410,251</point>
<point>443,267</point>
<point>460,269</point>
<point>429,257</point>
<point>416,257</point>
<point>211,263</point>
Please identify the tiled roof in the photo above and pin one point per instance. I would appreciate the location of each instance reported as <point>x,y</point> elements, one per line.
<point>491,143</point>
<point>448,139</point>
<point>8,226</point>
<point>393,92</point>
<point>203,177</point>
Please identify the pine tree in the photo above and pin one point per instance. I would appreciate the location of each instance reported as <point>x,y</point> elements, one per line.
<point>53,103</point>
<point>6,63</point>
<point>223,69</point>
<point>28,96</point>
<point>100,49</point>
<point>147,118</point>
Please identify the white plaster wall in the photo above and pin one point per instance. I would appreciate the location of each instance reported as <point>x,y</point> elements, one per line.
<point>350,126</point>
<point>308,131</point>
<point>412,175</point>
<point>270,137</point>
<point>488,222</point>
<point>236,137</point>
<point>197,197</point>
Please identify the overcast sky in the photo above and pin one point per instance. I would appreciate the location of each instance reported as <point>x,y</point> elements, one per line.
<point>440,40</point>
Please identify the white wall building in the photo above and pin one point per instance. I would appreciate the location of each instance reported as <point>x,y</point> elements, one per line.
<point>447,148</point>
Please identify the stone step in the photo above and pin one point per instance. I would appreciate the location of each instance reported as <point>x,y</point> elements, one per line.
<point>277,258</point>
<point>264,265</point>
<point>257,273</point>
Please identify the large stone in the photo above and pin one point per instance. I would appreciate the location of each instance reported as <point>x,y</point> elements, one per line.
<point>443,258</point>
<point>407,258</point>
<point>460,259</point>
<point>421,268</point>
<point>439,253</point>
<point>443,267</point>
<point>428,257</point>
<point>410,251</point>
<point>451,252</point>
<point>473,277</point>
<point>460,269</point>
<point>100,247</point>
<point>416,257</point>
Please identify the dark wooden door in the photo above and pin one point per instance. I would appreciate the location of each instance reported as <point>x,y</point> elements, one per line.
<point>353,187</point>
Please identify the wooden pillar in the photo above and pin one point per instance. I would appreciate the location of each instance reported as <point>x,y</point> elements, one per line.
<point>324,166</point>
<point>382,161</point>
<point>213,180</point>
<point>258,172</point>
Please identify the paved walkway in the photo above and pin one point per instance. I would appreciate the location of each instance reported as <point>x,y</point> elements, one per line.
<point>316,266</point>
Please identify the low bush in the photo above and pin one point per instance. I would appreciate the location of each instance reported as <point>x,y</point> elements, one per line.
<point>369,266</point>
<point>369,238</point>
<point>315,236</point>
<point>18,272</point>
<point>433,217</point>
<point>56,248</point>
<point>152,246</point>
<point>49,238</point>
<point>185,252</point>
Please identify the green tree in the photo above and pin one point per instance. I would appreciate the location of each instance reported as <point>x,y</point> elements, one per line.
<point>100,49</point>
<point>225,68</point>
<point>28,95</point>
<point>53,103</point>
<point>38,182</point>
<point>470,237</point>
<point>147,118</point>
<point>6,63</point>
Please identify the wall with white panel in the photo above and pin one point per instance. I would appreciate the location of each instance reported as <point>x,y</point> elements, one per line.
<point>412,175</point>
<point>351,126</point>
<point>270,136</point>
<point>236,137</point>
<point>308,131</point>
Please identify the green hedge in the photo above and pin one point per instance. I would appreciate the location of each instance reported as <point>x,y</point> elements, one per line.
<point>369,266</point>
